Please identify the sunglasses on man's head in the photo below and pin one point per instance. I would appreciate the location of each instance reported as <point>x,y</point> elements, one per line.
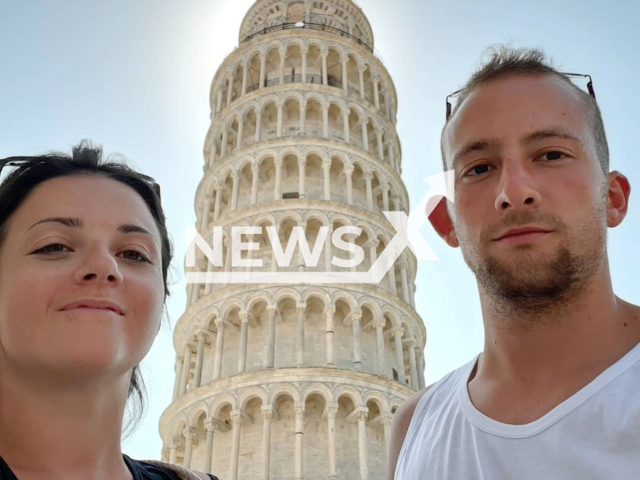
<point>583,75</point>
<point>32,161</point>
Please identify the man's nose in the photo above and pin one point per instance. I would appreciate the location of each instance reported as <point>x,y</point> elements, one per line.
<point>99,265</point>
<point>517,188</point>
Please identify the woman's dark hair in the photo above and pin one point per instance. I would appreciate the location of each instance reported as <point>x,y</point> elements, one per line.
<point>86,159</point>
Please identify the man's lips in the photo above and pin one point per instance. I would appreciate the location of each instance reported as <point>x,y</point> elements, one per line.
<point>522,233</point>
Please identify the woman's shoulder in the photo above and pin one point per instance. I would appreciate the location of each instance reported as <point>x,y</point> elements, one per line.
<point>178,471</point>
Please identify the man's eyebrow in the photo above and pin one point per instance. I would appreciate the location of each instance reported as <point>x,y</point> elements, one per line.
<point>483,144</point>
<point>75,222</point>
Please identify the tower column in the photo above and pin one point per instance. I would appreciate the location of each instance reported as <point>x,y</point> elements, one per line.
<point>269,362</point>
<point>258,125</point>
<point>345,78</point>
<point>362,443</point>
<point>255,175</point>
<point>348,171</point>
<point>413,369</point>
<point>177,381</point>
<point>234,193</point>
<point>325,76</point>
<point>184,380</point>
<point>380,145</point>
<point>303,117</point>
<point>217,360</point>
<point>386,425</point>
<point>280,115</point>
<point>278,189</point>
<point>373,250</point>
<point>225,140</point>
<point>304,64</point>
<point>263,69</point>
<point>302,163</point>
<point>206,208</point>
<point>376,92</point>
<point>282,53</point>
<point>368,177</point>
<point>326,176</point>
<point>365,135</point>
<point>405,284</point>
<point>299,440</point>
<point>421,367</point>
<point>328,250</point>
<point>332,410</point>
<point>216,208</point>
<point>345,126</point>
<point>230,91</point>
<point>379,325</point>
<point>188,434</point>
<point>236,421</point>
<point>219,100</point>
<point>267,414</point>
<point>325,121</point>
<point>242,355</point>
<point>245,71</point>
<point>240,131</point>
<point>361,70</point>
<point>174,444</point>
<point>329,313</point>
<point>357,357</point>
<point>397,338</point>
<point>385,197</point>
<point>210,425</point>
<point>300,309</point>
<point>202,336</point>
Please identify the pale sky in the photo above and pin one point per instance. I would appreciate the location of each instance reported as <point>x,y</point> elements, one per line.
<point>134,76</point>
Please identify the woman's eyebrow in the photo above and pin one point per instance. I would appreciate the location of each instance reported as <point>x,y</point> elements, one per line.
<point>75,222</point>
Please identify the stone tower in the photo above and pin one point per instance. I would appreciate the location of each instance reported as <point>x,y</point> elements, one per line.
<point>297,381</point>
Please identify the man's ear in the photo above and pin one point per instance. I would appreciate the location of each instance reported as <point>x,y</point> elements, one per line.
<point>617,198</point>
<point>442,223</point>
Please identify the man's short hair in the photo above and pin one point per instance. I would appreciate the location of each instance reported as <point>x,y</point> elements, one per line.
<point>507,61</point>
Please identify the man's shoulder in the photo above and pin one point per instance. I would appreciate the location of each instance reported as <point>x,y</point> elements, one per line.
<point>405,411</point>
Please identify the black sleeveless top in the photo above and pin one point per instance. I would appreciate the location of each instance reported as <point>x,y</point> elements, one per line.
<point>140,471</point>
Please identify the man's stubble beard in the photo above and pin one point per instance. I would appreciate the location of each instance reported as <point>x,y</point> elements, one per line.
<point>536,284</point>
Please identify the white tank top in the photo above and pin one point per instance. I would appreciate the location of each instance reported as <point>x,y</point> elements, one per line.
<point>594,434</point>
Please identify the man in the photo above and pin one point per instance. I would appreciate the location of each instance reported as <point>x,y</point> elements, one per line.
<point>555,394</point>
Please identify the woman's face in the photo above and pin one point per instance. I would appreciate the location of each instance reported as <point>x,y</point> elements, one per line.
<point>92,250</point>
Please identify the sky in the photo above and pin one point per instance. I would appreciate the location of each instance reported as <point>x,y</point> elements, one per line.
<point>134,76</point>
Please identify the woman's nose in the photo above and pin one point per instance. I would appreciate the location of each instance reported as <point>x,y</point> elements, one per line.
<point>100,265</point>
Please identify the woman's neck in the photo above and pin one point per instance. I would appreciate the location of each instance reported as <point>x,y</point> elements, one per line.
<point>57,428</point>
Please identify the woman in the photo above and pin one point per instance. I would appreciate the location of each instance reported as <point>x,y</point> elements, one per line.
<point>84,255</point>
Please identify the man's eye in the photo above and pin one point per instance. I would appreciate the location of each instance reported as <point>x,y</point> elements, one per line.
<point>49,248</point>
<point>477,170</point>
<point>554,154</point>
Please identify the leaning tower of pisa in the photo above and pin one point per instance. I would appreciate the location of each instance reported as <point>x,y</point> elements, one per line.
<point>297,381</point>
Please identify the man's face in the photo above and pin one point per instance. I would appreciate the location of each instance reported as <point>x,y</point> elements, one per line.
<point>524,170</point>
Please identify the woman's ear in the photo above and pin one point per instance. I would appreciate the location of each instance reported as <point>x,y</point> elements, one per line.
<point>442,223</point>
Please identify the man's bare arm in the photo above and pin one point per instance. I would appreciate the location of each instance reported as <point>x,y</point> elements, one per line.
<point>399,427</point>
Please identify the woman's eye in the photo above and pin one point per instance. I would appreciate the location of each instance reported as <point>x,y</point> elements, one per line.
<point>477,170</point>
<point>554,154</point>
<point>55,248</point>
<point>140,257</point>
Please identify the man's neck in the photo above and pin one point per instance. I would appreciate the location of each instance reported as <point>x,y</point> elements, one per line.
<point>590,331</point>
